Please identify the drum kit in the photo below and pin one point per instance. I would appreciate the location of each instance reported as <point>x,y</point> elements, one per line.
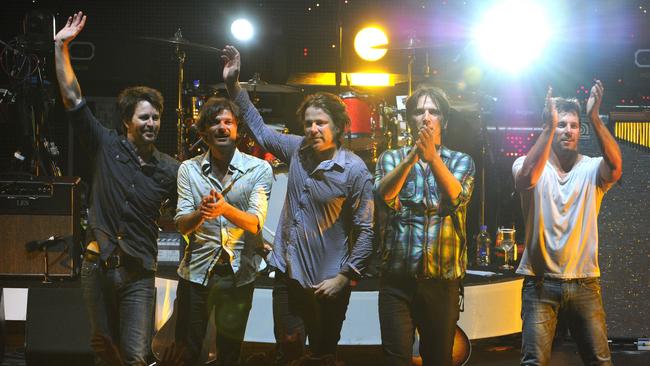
<point>376,125</point>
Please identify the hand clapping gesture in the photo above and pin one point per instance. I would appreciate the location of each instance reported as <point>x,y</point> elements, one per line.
<point>595,98</point>
<point>550,110</point>
<point>212,205</point>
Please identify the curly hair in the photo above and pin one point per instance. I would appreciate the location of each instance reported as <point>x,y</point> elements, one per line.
<point>213,107</point>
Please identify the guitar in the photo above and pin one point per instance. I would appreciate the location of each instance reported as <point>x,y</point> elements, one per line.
<point>461,352</point>
<point>166,336</point>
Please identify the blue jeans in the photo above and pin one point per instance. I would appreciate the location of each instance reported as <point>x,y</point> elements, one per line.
<point>578,304</point>
<point>431,306</point>
<point>120,304</point>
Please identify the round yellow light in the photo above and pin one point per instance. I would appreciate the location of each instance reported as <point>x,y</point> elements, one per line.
<point>366,40</point>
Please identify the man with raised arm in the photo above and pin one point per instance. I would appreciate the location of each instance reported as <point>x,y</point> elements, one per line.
<point>324,236</point>
<point>561,192</point>
<point>131,179</point>
<point>222,203</point>
<point>426,189</point>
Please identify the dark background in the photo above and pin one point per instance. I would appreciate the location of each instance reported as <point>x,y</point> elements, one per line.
<point>595,39</point>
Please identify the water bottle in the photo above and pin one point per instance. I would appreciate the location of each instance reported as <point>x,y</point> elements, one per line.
<point>483,245</point>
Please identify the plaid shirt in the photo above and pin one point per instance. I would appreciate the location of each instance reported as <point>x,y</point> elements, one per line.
<point>425,233</point>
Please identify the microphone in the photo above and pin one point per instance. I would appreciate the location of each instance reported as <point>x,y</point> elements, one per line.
<point>45,243</point>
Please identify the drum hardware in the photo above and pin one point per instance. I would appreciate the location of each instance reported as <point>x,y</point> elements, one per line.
<point>261,87</point>
<point>179,43</point>
<point>411,45</point>
<point>373,139</point>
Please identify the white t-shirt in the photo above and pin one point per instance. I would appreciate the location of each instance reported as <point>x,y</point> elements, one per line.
<point>561,217</point>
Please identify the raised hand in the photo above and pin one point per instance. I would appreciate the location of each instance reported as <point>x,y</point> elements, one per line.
<point>72,28</point>
<point>550,110</point>
<point>595,98</point>
<point>232,64</point>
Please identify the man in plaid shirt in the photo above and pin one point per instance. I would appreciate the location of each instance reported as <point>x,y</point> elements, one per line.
<point>426,188</point>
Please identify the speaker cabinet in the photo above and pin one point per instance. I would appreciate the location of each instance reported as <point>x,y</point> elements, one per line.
<point>33,211</point>
<point>57,330</point>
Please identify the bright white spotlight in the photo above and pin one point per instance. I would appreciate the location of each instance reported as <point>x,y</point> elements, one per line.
<point>242,29</point>
<point>512,34</point>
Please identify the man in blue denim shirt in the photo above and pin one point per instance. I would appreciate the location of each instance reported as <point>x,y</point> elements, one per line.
<point>561,192</point>
<point>222,203</point>
<point>131,179</point>
<point>324,236</point>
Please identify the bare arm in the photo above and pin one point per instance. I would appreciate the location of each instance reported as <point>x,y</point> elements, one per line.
<point>538,155</point>
<point>68,84</point>
<point>611,168</point>
<point>213,206</point>
<point>188,223</point>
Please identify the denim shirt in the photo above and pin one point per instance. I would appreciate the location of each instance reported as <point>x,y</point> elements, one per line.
<point>248,189</point>
<point>325,227</point>
<point>126,196</point>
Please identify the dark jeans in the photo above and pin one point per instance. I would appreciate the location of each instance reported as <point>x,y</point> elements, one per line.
<point>231,309</point>
<point>431,306</point>
<point>298,314</point>
<point>578,304</point>
<point>120,303</point>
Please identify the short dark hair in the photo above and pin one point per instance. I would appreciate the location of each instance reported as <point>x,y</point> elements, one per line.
<point>564,105</point>
<point>213,107</point>
<point>435,93</point>
<point>129,98</point>
<point>330,104</point>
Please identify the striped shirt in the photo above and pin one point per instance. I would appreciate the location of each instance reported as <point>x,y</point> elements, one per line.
<point>425,232</point>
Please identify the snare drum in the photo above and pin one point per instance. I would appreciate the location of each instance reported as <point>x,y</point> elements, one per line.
<point>365,124</point>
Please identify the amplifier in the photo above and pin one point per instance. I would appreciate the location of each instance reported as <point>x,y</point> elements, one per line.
<point>33,211</point>
<point>171,247</point>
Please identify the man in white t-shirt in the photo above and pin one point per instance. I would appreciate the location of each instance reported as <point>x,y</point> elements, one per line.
<point>561,191</point>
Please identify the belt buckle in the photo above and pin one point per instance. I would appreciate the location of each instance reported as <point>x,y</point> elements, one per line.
<point>113,261</point>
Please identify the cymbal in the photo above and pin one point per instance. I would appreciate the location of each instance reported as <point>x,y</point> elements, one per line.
<point>411,44</point>
<point>261,87</point>
<point>180,41</point>
<point>463,105</point>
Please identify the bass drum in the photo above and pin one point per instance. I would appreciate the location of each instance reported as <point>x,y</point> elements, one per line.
<point>365,124</point>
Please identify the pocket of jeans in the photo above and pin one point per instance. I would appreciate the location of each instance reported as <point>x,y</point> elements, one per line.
<point>88,268</point>
<point>592,284</point>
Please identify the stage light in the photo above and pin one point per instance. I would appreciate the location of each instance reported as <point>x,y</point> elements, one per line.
<point>365,41</point>
<point>242,30</point>
<point>369,79</point>
<point>512,34</point>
